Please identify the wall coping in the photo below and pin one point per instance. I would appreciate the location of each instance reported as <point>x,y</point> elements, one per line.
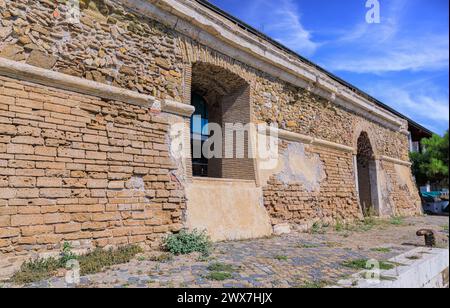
<point>218,181</point>
<point>394,160</point>
<point>197,22</point>
<point>296,137</point>
<point>26,72</point>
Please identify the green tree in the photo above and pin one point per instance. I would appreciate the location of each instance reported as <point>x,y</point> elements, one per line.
<point>432,164</point>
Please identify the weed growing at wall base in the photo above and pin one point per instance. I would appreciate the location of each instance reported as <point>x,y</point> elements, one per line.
<point>94,262</point>
<point>187,242</point>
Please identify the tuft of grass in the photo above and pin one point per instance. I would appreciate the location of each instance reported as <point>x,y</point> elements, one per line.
<point>382,249</point>
<point>445,228</point>
<point>91,263</point>
<point>219,276</point>
<point>221,267</point>
<point>220,271</point>
<point>281,258</point>
<point>96,261</point>
<point>314,284</point>
<point>186,242</point>
<point>397,221</point>
<point>318,228</point>
<point>39,269</point>
<point>308,246</point>
<point>333,244</point>
<point>362,264</point>
<point>162,258</point>
<point>339,227</point>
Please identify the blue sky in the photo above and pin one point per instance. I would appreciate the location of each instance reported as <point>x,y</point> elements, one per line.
<point>402,61</point>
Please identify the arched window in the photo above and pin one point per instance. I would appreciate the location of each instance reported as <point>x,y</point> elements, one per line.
<point>220,97</point>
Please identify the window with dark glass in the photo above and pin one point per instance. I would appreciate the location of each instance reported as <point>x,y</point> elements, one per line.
<point>199,134</point>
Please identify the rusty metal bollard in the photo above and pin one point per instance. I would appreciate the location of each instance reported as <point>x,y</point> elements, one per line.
<point>430,238</point>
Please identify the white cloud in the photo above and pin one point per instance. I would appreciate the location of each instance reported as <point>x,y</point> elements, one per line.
<point>286,27</point>
<point>389,46</point>
<point>420,54</point>
<point>425,102</point>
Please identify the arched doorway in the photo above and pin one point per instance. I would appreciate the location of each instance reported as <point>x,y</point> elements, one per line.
<point>367,176</point>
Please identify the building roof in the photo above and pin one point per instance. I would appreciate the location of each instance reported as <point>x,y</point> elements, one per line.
<point>411,123</point>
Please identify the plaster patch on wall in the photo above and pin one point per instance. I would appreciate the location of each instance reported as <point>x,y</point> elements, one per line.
<point>179,147</point>
<point>300,167</point>
<point>404,178</point>
<point>387,207</point>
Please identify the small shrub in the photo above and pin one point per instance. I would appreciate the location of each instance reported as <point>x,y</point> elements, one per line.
<point>187,242</point>
<point>67,254</point>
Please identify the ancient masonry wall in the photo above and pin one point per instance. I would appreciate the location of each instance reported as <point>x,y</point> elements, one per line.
<point>76,167</point>
<point>320,189</point>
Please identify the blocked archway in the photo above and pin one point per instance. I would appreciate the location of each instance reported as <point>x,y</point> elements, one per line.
<point>367,176</point>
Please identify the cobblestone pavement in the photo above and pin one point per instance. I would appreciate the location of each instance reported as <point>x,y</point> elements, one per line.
<point>286,261</point>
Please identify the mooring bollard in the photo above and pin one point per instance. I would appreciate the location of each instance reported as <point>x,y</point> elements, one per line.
<point>430,238</point>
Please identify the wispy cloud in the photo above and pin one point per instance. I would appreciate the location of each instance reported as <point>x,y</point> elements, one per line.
<point>287,28</point>
<point>389,46</point>
<point>419,100</point>
<point>422,54</point>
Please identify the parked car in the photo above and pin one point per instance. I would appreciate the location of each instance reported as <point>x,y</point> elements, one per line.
<point>435,203</point>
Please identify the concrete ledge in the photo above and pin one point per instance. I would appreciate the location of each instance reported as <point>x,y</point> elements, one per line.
<point>26,72</point>
<point>170,106</point>
<point>394,160</point>
<point>419,268</point>
<point>296,137</point>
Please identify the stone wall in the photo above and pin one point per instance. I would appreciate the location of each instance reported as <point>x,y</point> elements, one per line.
<point>110,45</point>
<point>77,168</point>
<point>115,46</point>
<point>399,191</point>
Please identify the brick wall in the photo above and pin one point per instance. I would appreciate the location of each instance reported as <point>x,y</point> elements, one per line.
<point>336,199</point>
<point>76,168</point>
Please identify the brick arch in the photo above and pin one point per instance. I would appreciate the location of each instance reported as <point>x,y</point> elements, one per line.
<point>210,80</point>
<point>364,128</point>
<point>367,175</point>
